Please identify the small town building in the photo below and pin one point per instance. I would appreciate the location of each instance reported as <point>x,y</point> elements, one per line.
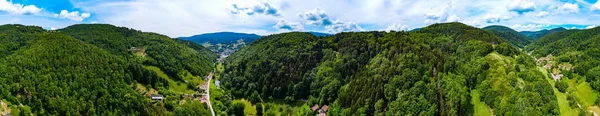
<point>187,96</point>
<point>315,107</point>
<point>157,97</point>
<point>324,109</point>
<point>218,83</point>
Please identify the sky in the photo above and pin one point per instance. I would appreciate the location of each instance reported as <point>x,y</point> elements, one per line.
<point>181,18</point>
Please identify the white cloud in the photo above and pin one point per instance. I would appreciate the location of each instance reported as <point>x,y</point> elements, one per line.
<point>190,17</point>
<point>75,16</point>
<point>569,8</point>
<point>495,18</point>
<point>264,8</point>
<point>441,16</point>
<point>396,27</point>
<point>53,28</point>
<point>340,26</point>
<point>19,9</point>
<point>596,6</point>
<point>542,14</point>
<point>590,27</point>
<point>284,25</point>
<point>521,6</point>
<point>453,18</point>
<point>33,20</point>
<point>528,27</point>
<point>318,17</point>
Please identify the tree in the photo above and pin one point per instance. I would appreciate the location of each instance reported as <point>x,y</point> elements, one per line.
<point>562,85</point>
<point>259,109</point>
<point>238,109</point>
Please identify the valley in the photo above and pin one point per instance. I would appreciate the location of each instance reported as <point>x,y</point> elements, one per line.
<point>441,69</point>
<point>299,58</point>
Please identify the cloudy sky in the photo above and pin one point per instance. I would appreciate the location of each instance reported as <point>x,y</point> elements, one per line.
<point>177,18</point>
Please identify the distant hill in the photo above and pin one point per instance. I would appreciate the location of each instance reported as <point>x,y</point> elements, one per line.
<point>318,34</point>
<point>534,35</point>
<point>222,38</point>
<point>513,37</point>
<point>569,41</point>
<point>550,38</point>
<point>461,32</point>
<point>416,29</point>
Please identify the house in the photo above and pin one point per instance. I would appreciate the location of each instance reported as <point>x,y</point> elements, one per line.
<point>548,66</point>
<point>203,87</point>
<point>133,49</point>
<point>157,97</point>
<point>324,109</point>
<point>218,83</point>
<point>203,99</point>
<point>315,107</point>
<point>187,96</point>
<point>557,77</point>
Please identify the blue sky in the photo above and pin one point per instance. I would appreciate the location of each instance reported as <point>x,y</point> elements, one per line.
<point>177,18</point>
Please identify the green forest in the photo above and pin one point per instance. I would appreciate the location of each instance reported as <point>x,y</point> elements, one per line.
<point>441,69</point>
<point>445,69</point>
<point>95,69</point>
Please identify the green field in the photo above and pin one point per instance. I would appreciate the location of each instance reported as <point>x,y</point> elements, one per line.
<point>196,80</point>
<point>249,109</point>
<point>178,87</point>
<point>278,106</point>
<point>481,109</point>
<point>563,103</point>
<point>586,96</point>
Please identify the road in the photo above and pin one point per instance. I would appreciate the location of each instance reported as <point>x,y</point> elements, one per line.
<point>208,94</point>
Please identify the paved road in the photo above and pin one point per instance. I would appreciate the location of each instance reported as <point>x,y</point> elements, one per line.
<point>208,94</point>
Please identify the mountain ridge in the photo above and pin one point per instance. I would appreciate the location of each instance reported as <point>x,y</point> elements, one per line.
<point>534,35</point>
<point>513,37</point>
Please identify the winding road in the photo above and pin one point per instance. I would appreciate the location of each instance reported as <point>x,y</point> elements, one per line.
<point>208,94</point>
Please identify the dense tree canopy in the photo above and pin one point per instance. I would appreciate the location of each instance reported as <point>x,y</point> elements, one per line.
<point>90,69</point>
<point>534,35</point>
<point>579,48</point>
<point>513,37</point>
<point>430,71</point>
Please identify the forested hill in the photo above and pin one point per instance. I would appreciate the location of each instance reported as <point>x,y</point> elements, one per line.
<point>461,32</point>
<point>581,48</point>
<point>573,58</point>
<point>534,35</point>
<point>222,37</point>
<point>442,69</point>
<point>92,70</point>
<point>550,38</point>
<point>513,37</point>
<point>169,54</point>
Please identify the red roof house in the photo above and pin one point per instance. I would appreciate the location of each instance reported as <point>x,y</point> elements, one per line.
<point>315,107</point>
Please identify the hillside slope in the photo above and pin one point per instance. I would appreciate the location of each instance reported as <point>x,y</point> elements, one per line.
<point>94,70</point>
<point>62,75</point>
<point>513,37</point>
<point>162,51</point>
<point>427,72</point>
<point>534,35</point>
<point>550,38</point>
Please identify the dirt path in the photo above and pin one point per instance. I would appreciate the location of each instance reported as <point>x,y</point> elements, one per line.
<point>4,108</point>
<point>208,94</point>
<point>594,110</point>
